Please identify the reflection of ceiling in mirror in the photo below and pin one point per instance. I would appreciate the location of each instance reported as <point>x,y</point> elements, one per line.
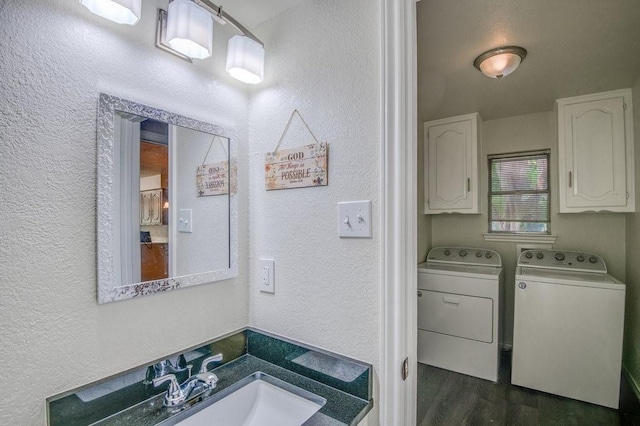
<point>154,160</point>
<point>154,151</point>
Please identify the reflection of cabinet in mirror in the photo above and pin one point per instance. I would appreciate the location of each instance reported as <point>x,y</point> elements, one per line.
<point>151,207</point>
<point>154,172</point>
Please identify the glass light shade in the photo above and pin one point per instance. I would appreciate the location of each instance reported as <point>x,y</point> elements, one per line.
<point>245,59</point>
<point>119,11</point>
<point>497,63</point>
<point>189,29</point>
<point>500,65</point>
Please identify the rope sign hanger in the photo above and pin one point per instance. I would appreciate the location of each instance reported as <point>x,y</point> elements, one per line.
<point>224,148</point>
<point>299,167</point>
<point>286,129</point>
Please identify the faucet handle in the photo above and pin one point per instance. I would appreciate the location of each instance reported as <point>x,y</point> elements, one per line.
<point>208,360</point>
<point>174,395</point>
<point>171,378</point>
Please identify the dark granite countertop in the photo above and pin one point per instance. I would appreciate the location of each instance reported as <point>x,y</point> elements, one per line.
<point>341,408</point>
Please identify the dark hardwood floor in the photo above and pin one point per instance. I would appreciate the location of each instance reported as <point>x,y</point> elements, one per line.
<point>448,398</point>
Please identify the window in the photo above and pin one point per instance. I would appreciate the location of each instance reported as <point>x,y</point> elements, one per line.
<point>519,192</point>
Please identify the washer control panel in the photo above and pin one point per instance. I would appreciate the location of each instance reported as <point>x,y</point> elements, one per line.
<point>564,260</point>
<point>465,256</point>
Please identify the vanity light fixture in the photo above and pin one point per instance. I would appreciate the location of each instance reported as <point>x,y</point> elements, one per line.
<point>189,29</point>
<point>245,59</point>
<point>119,11</point>
<point>245,53</point>
<point>496,63</point>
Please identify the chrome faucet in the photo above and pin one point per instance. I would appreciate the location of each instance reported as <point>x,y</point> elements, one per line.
<point>177,394</point>
<point>193,387</point>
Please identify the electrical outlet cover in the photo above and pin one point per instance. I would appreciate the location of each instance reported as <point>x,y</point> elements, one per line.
<point>266,275</point>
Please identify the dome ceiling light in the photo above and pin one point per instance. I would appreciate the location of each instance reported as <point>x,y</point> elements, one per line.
<point>496,63</point>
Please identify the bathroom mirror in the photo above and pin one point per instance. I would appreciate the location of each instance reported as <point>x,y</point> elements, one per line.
<point>167,207</point>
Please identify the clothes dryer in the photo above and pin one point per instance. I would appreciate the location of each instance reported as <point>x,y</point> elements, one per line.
<point>459,298</point>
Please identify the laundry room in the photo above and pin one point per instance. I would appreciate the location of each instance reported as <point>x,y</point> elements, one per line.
<point>525,142</point>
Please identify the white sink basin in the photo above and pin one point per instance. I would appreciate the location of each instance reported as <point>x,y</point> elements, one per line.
<point>259,400</point>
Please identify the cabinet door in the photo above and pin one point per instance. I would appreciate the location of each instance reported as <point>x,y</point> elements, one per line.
<point>145,208</point>
<point>596,163</point>
<point>451,173</point>
<point>156,207</point>
<point>151,207</point>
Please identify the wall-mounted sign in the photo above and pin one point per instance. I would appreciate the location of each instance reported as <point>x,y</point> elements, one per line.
<point>213,179</point>
<point>299,167</point>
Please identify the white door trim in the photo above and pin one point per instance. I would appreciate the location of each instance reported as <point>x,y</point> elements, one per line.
<point>399,210</point>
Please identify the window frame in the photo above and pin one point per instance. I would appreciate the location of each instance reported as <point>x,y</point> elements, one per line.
<point>519,156</point>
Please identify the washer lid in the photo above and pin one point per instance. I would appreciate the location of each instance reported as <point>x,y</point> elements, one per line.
<point>564,277</point>
<point>464,256</point>
<point>469,271</point>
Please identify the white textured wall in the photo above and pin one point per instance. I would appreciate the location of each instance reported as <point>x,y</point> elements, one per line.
<point>631,356</point>
<point>327,290</point>
<point>55,59</point>
<point>600,233</point>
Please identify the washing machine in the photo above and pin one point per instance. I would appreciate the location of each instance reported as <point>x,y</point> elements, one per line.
<point>459,298</point>
<point>568,326</point>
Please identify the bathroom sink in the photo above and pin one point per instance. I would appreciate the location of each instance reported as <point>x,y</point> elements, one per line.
<point>258,400</point>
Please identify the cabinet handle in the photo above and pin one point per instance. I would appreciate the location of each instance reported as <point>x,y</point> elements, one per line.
<point>570,180</point>
<point>468,184</point>
<point>451,300</point>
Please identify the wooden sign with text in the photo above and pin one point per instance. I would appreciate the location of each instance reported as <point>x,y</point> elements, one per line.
<point>213,179</point>
<point>299,167</point>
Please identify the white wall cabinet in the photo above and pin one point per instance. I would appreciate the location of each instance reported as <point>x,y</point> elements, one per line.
<point>595,153</point>
<point>151,207</point>
<point>452,154</point>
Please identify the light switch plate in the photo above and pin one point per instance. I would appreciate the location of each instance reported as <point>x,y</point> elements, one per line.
<point>266,275</point>
<point>354,219</point>
<point>184,220</point>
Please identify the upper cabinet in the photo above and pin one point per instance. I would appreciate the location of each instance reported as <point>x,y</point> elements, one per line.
<point>452,153</point>
<point>595,153</point>
<point>151,207</point>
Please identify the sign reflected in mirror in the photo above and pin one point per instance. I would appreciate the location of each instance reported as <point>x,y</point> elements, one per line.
<point>166,201</point>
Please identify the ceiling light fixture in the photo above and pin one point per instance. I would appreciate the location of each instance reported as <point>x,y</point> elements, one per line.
<point>119,11</point>
<point>496,63</point>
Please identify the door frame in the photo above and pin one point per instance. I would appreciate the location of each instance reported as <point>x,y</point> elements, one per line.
<point>398,213</point>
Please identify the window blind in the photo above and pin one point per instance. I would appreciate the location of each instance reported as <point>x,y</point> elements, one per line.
<point>519,192</point>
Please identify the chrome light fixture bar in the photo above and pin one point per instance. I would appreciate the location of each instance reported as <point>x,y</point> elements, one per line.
<point>186,31</point>
<point>217,12</point>
<point>245,53</point>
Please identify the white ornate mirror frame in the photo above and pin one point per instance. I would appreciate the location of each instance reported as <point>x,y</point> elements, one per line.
<point>109,288</point>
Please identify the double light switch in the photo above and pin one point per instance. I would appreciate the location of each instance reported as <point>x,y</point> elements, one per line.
<point>354,219</point>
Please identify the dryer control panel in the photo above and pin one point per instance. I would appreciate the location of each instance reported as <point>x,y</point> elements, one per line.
<point>562,260</point>
<point>465,256</point>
